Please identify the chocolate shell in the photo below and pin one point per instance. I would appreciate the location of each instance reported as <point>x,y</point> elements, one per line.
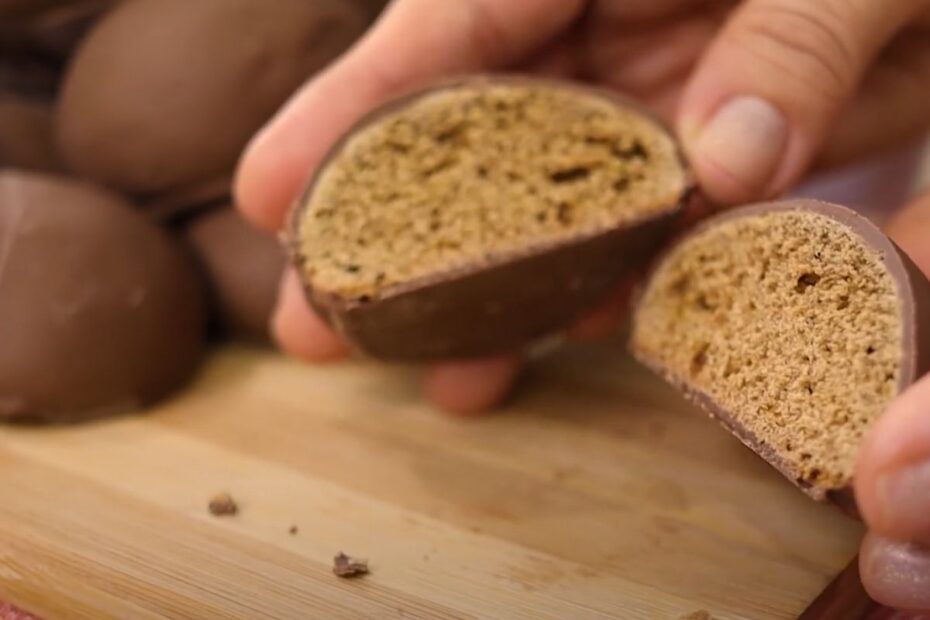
<point>242,267</point>
<point>48,29</point>
<point>163,95</point>
<point>28,76</point>
<point>845,599</point>
<point>499,302</point>
<point>101,311</point>
<point>904,362</point>
<point>26,134</point>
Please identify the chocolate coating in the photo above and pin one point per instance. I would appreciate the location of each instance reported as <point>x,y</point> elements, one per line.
<point>844,599</point>
<point>28,76</point>
<point>26,134</point>
<point>913,290</point>
<point>372,8</point>
<point>100,310</point>
<point>163,95</point>
<point>242,266</point>
<point>50,29</point>
<point>485,310</point>
<point>17,8</point>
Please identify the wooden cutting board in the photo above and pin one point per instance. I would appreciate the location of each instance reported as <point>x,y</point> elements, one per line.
<point>598,493</point>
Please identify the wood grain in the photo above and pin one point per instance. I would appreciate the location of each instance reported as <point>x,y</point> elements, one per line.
<point>597,493</point>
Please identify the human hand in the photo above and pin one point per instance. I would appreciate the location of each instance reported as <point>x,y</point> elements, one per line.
<point>760,90</point>
<point>893,474</point>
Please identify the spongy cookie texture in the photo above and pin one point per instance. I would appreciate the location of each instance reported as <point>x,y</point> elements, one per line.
<point>790,323</point>
<point>475,174</point>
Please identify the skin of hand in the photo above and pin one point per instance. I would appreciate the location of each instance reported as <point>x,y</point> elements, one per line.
<point>761,92</point>
<point>893,473</point>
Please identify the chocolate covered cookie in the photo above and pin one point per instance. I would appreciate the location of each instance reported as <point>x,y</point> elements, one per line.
<point>792,323</point>
<point>474,216</point>
<point>163,95</point>
<point>26,134</point>
<point>242,266</point>
<point>101,311</point>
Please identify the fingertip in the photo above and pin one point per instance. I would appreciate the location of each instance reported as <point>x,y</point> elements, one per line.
<point>606,318</point>
<point>894,573</point>
<point>259,194</point>
<point>472,386</point>
<point>298,330</point>
<point>738,151</point>
<point>892,459</point>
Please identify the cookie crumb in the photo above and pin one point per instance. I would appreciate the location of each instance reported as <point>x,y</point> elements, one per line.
<point>346,567</point>
<point>293,530</point>
<point>222,504</point>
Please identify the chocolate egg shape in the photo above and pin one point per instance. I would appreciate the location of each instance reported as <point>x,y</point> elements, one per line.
<point>475,216</point>
<point>794,324</point>
<point>26,134</point>
<point>101,311</point>
<point>242,266</point>
<point>51,28</point>
<point>163,95</point>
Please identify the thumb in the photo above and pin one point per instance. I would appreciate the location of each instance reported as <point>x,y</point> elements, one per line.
<point>764,96</point>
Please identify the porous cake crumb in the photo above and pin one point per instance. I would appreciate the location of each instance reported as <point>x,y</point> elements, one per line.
<point>790,323</point>
<point>474,174</point>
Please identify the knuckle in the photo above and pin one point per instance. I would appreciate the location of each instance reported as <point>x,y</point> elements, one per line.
<point>488,36</point>
<point>807,42</point>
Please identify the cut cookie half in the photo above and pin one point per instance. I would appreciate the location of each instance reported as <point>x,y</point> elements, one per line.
<point>792,323</point>
<point>475,216</point>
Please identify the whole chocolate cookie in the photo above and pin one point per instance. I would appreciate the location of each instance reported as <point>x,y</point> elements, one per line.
<point>26,134</point>
<point>101,310</point>
<point>242,266</point>
<point>163,95</point>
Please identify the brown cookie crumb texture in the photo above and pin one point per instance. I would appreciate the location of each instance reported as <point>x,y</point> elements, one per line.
<point>792,324</point>
<point>348,567</point>
<point>222,505</point>
<point>477,215</point>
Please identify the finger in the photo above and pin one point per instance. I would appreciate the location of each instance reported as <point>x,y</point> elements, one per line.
<point>471,386</point>
<point>607,318</point>
<point>893,470</point>
<point>411,44</point>
<point>768,90</point>
<point>893,473</point>
<point>896,574</point>
<point>298,330</point>
<point>640,59</point>
<point>890,108</point>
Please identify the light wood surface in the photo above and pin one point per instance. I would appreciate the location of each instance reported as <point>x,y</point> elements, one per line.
<point>596,494</point>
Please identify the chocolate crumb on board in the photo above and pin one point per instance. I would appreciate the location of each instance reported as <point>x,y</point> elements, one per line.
<point>222,504</point>
<point>345,566</point>
<point>293,530</point>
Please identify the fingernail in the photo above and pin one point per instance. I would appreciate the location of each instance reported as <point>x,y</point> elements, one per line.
<point>743,144</point>
<point>896,574</point>
<point>904,495</point>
